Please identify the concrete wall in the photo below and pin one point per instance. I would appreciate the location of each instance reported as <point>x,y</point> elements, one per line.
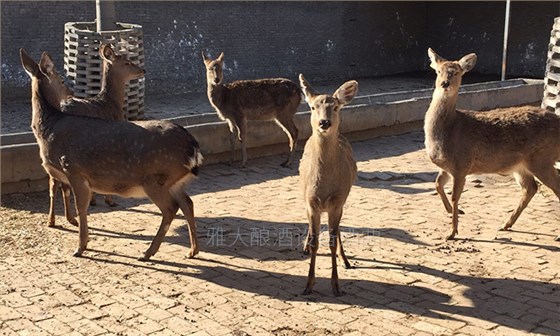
<point>458,28</point>
<point>324,40</point>
<point>364,118</point>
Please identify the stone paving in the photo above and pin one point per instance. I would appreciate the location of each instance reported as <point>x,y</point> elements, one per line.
<point>250,273</point>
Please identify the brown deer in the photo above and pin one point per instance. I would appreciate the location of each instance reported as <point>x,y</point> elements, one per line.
<point>261,99</point>
<point>108,104</point>
<point>327,171</point>
<point>154,159</point>
<point>524,141</point>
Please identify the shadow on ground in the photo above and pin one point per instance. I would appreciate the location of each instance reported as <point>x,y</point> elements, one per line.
<point>413,299</point>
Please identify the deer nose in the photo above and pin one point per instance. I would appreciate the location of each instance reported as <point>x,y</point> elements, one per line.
<point>445,84</point>
<point>216,80</point>
<point>324,124</point>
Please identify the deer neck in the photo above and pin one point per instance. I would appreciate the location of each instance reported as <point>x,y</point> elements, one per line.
<point>442,111</point>
<point>43,114</point>
<point>325,148</point>
<point>216,94</point>
<point>112,88</point>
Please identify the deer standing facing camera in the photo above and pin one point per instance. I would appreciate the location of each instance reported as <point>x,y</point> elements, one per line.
<point>327,171</point>
<point>523,140</point>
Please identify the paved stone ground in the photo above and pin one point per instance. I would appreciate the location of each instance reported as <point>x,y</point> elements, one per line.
<point>250,273</point>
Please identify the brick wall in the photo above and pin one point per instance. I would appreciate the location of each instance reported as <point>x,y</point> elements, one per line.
<point>323,40</point>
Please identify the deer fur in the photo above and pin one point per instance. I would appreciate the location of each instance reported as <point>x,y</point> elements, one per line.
<point>327,171</point>
<point>108,104</point>
<point>523,140</point>
<point>262,99</point>
<point>154,159</point>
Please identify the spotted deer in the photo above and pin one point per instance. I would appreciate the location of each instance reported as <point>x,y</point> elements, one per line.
<point>154,159</point>
<point>523,140</point>
<point>107,104</point>
<point>243,100</point>
<point>327,171</point>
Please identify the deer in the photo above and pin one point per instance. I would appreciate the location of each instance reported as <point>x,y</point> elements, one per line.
<point>522,140</point>
<point>107,104</point>
<point>327,171</point>
<point>154,159</point>
<point>261,99</point>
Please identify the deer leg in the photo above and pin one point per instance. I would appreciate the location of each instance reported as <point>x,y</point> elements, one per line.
<point>289,127</point>
<point>187,207</point>
<point>341,253</point>
<point>92,201</point>
<point>53,186</point>
<point>109,201</point>
<point>314,217</point>
<point>550,178</point>
<point>441,181</point>
<point>529,188</point>
<point>334,235</point>
<point>241,135</point>
<point>66,190</point>
<point>232,131</point>
<point>168,206</point>
<point>458,185</point>
<point>82,194</point>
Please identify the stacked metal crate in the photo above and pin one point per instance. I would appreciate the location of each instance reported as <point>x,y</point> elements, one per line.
<point>551,99</point>
<point>83,65</point>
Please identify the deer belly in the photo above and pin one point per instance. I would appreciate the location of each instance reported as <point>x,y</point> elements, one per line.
<point>124,190</point>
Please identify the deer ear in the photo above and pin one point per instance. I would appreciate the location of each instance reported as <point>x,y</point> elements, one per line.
<point>46,64</point>
<point>106,52</point>
<point>29,65</point>
<point>221,57</point>
<point>435,59</point>
<point>346,92</point>
<point>205,58</point>
<point>468,62</point>
<point>308,91</point>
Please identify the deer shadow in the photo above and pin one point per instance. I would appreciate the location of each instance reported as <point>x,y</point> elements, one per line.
<point>495,300</point>
<point>401,183</point>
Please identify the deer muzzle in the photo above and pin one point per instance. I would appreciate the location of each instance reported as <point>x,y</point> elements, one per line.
<point>324,124</point>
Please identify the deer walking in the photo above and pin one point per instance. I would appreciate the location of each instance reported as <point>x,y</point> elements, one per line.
<point>327,171</point>
<point>524,141</point>
<point>262,99</point>
<point>108,104</point>
<point>154,159</point>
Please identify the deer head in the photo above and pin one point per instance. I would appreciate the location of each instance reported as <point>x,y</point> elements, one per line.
<point>45,75</point>
<point>450,73</point>
<point>325,108</point>
<point>214,69</point>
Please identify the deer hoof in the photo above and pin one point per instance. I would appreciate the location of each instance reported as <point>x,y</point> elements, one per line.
<point>557,238</point>
<point>73,221</point>
<point>461,212</point>
<point>505,228</point>
<point>78,252</point>
<point>336,291</point>
<point>307,291</point>
<point>451,236</point>
<point>286,164</point>
<point>50,224</point>
<point>192,253</point>
<point>144,258</point>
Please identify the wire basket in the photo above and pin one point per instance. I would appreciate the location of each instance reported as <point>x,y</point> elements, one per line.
<point>83,65</point>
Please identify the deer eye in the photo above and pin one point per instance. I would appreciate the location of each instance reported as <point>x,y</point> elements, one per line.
<point>313,108</point>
